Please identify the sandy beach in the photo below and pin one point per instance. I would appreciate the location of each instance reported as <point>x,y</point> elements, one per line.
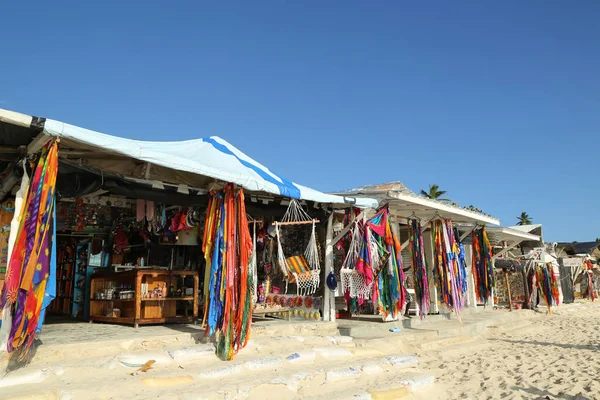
<point>556,357</point>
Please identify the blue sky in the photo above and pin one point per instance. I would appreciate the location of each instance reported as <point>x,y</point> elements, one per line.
<point>497,102</point>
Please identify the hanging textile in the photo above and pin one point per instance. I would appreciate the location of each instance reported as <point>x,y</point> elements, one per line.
<point>6,318</point>
<point>378,260</point>
<point>483,267</point>
<point>449,272</point>
<point>547,283</point>
<point>29,268</point>
<point>227,246</point>
<point>419,266</point>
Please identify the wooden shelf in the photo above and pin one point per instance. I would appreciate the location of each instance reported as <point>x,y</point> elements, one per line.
<point>121,300</point>
<point>144,310</point>
<point>171,299</point>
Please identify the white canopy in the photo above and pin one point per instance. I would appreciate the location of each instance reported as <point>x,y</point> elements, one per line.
<point>193,162</point>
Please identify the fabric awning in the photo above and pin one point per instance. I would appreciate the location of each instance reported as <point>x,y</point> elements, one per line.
<point>196,162</point>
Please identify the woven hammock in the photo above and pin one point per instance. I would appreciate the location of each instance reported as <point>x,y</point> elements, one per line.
<point>304,270</point>
<point>354,284</point>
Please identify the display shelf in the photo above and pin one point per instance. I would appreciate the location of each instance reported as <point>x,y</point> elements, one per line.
<point>119,300</point>
<point>171,299</point>
<point>140,309</point>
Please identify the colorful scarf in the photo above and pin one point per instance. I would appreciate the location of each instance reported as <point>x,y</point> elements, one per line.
<point>483,267</point>
<point>389,293</point>
<point>419,266</point>
<point>449,271</point>
<point>29,268</point>
<point>548,284</point>
<point>227,245</point>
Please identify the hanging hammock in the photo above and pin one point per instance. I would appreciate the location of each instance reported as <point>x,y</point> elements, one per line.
<point>304,270</point>
<point>354,283</point>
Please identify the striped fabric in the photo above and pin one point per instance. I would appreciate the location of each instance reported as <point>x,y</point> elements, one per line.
<point>298,265</point>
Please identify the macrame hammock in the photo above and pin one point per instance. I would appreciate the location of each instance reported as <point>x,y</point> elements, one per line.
<point>304,270</point>
<point>548,285</point>
<point>483,267</point>
<point>355,284</point>
<point>374,266</point>
<point>419,266</point>
<point>30,277</point>
<point>228,248</point>
<point>448,266</point>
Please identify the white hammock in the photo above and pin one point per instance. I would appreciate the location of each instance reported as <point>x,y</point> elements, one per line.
<point>353,282</point>
<point>308,281</point>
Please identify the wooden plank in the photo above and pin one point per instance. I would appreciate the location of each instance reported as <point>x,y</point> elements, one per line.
<point>171,299</point>
<point>175,320</point>
<point>196,294</point>
<point>119,300</point>
<point>297,223</point>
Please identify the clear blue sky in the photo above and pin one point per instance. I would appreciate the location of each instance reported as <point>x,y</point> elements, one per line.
<point>495,101</point>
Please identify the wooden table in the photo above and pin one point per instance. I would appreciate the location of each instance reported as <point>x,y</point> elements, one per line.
<point>141,310</point>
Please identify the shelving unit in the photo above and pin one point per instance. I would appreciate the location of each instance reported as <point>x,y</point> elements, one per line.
<point>64,280</point>
<point>81,264</point>
<point>140,309</point>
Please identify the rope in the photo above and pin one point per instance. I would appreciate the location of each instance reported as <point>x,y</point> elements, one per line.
<point>295,213</point>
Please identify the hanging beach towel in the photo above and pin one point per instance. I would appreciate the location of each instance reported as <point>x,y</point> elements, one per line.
<point>304,269</point>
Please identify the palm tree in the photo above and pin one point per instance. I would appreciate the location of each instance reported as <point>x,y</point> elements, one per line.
<point>434,193</point>
<point>524,219</point>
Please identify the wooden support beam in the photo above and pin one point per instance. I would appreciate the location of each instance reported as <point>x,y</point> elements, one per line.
<point>506,280</point>
<point>328,295</point>
<point>297,223</point>
<point>346,228</point>
<point>37,143</point>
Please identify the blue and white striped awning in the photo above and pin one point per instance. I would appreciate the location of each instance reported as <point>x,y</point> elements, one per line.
<point>211,157</point>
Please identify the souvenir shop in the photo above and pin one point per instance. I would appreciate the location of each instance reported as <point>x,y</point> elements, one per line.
<point>112,230</point>
<point>511,290</point>
<point>410,257</point>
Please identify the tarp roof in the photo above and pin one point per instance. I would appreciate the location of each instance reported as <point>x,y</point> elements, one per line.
<point>404,203</point>
<point>197,163</point>
<point>504,234</point>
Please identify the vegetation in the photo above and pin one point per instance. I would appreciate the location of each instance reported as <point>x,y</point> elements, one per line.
<point>524,219</point>
<point>435,193</point>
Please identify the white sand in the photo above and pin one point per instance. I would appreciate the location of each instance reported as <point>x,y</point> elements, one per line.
<point>556,356</point>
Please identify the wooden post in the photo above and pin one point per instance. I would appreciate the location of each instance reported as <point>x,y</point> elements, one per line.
<point>328,295</point>
<point>196,295</point>
<point>508,289</point>
<point>138,297</point>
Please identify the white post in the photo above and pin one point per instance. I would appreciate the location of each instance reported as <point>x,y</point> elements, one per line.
<point>433,295</point>
<point>328,295</point>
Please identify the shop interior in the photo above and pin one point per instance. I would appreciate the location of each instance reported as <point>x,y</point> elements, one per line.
<point>130,251</point>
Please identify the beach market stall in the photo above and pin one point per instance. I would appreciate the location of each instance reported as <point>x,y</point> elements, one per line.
<point>506,254</point>
<point>436,265</point>
<point>192,175</point>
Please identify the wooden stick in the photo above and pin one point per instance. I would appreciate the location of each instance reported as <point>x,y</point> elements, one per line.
<point>205,313</point>
<point>508,288</point>
<point>297,223</point>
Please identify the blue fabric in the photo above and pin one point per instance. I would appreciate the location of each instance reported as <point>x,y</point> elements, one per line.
<point>50,293</point>
<point>286,187</point>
